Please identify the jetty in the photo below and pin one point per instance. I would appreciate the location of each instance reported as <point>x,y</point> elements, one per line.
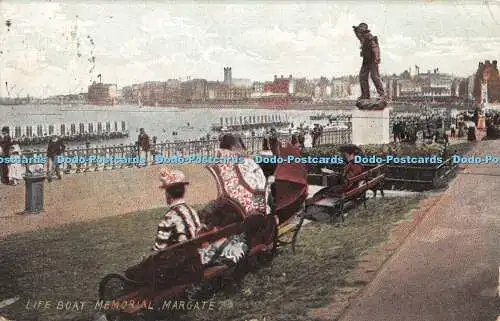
<point>250,122</point>
<point>89,131</point>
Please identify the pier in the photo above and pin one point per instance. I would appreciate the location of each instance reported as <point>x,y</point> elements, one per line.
<point>80,132</point>
<point>250,122</point>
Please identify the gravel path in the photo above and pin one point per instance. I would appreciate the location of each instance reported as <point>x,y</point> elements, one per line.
<point>90,196</point>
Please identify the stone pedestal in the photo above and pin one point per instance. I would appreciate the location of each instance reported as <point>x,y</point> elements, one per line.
<point>370,127</point>
<point>34,193</point>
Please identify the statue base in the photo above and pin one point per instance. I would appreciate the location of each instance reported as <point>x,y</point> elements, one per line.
<point>372,104</point>
<point>370,127</point>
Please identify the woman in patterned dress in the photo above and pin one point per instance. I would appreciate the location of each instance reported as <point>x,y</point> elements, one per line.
<point>243,182</point>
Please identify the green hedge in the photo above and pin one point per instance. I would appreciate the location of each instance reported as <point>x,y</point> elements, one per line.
<point>380,150</point>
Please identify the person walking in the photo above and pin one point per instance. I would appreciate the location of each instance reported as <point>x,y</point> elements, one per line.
<point>144,146</point>
<point>55,148</point>
<point>5,146</point>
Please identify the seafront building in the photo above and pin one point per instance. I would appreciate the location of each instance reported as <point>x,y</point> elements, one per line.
<point>430,86</point>
<point>102,94</point>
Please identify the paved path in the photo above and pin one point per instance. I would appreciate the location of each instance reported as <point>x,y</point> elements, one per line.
<point>90,196</point>
<point>448,269</point>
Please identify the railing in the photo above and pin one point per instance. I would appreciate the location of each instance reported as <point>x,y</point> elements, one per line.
<point>79,160</point>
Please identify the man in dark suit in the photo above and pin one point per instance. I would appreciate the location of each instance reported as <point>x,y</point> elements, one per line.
<point>55,148</point>
<point>144,145</point>
<point>370,51</point>
<point>5,145</point>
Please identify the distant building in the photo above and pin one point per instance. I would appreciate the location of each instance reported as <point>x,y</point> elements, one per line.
<point>102,94</point>
<point>322,88</point>
<point>391,87</point>
<point>303,88</point>
<point>194,90</point>
<point>465,88</point>
<point>281,86</point>
<point>455,87</point>
<point>487,83</point>
<point>228,76</point>
<point>355,91</point>
<point>340,89</point>
<point>241,82</point>
<point>408,88</point>
<point>220,92</point>
<point>257,89</point>
<point>436,84</point>
<point>470,87</point>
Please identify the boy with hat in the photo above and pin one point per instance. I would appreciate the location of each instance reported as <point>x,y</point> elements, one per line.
<point>370,51</point>
<point>181,222</point>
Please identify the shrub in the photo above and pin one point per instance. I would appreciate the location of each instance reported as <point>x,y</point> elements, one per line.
<point>378,150</point>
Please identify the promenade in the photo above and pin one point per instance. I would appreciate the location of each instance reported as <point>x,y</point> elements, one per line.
<point>95,195</point>
<point>448,269</point>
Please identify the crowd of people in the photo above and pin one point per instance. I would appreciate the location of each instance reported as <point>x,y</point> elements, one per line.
<point>12,172</point>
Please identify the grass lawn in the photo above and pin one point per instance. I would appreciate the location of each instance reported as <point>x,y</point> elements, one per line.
<point>66,264</point>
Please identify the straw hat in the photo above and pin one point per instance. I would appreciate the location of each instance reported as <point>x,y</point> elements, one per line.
<point>169,177</point>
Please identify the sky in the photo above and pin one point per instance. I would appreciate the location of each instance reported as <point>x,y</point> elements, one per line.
<point>47,48</point>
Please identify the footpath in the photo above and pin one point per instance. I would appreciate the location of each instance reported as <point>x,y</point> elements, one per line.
<point>448,268</point>
<point>90,196</point>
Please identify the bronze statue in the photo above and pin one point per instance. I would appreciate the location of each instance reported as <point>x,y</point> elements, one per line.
<point>370,51</point>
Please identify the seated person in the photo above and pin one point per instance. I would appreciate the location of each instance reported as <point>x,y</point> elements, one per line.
<point>181,222</point>
<point>351,170</point>
<point>243,183</point>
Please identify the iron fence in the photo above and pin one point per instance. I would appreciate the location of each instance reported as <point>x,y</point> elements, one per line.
<point>105,157</point>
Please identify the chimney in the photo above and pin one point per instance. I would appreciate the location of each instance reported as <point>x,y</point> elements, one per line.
<point>487,62</point>
<point>281,76</point>
<point>275,77</point>
<point>495,64</point>
<point>290,77</point>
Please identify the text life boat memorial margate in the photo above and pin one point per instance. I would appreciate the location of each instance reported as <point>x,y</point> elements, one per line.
<point>370,122</point>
